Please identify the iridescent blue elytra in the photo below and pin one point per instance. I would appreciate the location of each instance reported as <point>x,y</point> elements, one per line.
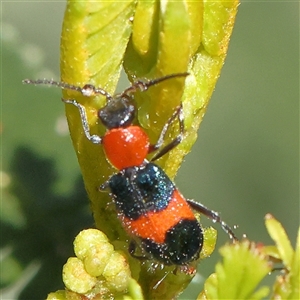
<point>138,190</point>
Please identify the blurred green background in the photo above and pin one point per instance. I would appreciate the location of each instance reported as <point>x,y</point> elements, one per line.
<point>245,163</point>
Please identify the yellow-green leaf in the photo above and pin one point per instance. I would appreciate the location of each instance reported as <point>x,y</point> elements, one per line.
<point>237,277</point>
<point>278,234</point>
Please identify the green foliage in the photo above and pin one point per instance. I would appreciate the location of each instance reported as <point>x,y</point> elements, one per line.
<point>99,271</point>
<point>242,269</point>
<point>96,41</point>
<point>37,221</point>
<point>246,264</point>
<point>287,285</point>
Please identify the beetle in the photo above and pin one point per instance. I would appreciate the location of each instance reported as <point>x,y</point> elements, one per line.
<point>152,210</point>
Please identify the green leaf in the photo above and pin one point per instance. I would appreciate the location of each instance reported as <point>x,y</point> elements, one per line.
<point>237,277</point>
<point>287,283</point>
<point>245,265</point>
<point>94,38</point>
<point>278,234</point>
